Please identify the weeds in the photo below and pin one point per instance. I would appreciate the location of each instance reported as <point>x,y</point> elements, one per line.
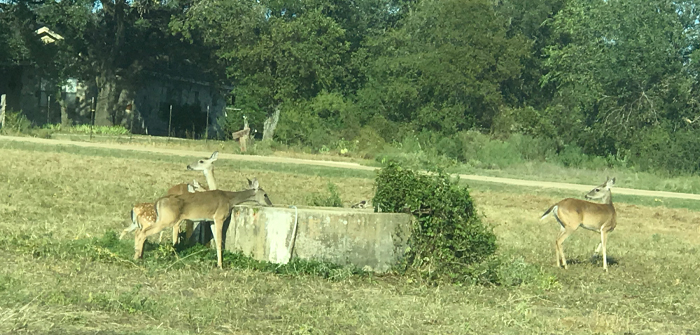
<point>109,249</point>
<point>87,129</point>
<point>332,199</point>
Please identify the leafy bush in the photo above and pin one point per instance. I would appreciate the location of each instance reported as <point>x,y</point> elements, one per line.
<point>323,200</point>
<point>449,237</point>
<point>16,122</point>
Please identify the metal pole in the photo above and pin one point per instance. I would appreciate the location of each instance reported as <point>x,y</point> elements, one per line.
<point>92,117</point>
<point>170,121</point>
<point>48,110</point>
<point>206,131</point>
<point>131,127</point>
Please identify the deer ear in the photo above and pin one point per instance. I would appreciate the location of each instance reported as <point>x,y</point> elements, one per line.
<point>190,188</point>
<point>254,184</point>
<point>214,155</point>
<point>610,182</point>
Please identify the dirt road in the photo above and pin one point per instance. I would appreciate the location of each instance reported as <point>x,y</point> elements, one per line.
<point>343,165</point>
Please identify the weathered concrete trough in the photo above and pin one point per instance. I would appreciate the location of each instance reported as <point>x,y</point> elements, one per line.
<point>368,240</point>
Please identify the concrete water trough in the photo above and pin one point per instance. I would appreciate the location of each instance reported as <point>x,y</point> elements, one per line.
<point>359,237</point>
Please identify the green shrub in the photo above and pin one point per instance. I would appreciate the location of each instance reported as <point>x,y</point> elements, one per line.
<point>482,151</point>
<point>326,200</point>
<point>369,141</point>
<point>412,154</point>
<point>16,122</point>
<point>449,237</point>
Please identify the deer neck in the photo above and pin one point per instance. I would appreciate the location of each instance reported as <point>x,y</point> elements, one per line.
<point>235,198</point>
<point>209,175</point>
<point>607,199</point>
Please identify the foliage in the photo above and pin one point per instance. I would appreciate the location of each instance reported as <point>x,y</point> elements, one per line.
<point>443,69</point>
<point>15,122</point>
<point>567,81</point>
<point>623,68</point>
<point>449,237</point>
<point>86,129</point>
<point>332,199</point>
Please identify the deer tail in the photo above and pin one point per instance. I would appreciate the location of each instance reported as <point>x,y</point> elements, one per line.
<point>549,211</point>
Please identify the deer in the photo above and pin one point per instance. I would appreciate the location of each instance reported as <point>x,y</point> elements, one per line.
<point>213,205</point>
<point>144,214</point>
<point>574,213</point>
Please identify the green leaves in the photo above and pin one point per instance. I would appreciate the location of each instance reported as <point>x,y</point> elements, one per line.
<point>443,69</point>
<point>448,237</point>
<point>623,68</point>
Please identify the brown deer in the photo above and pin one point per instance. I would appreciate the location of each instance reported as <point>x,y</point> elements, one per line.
<point>144,214</point>
<point>573,213</point>
<point>200,206</point>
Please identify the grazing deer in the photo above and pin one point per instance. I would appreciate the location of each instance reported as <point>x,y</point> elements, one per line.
<point>201,206</point>
<point>144,214</point>
<point>573,213</point>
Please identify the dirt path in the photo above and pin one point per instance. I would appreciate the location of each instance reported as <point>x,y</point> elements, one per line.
<point>344,165</point>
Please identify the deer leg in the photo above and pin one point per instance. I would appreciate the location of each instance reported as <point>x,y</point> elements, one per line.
<point>597,250</point>
<point>134,225</point>
<point>176,233</point>
<point>128,230</point>
<point>217,230</point>
<point>142,234</point>
<point>139,241</point>
<point>563,235</point>
<point>556,246</point>
<point>603,242</point>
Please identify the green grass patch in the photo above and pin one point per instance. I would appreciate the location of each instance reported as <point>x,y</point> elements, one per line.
<point>329,172</point>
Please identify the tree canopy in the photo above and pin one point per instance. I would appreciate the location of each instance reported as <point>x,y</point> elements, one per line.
<point>613,78</point>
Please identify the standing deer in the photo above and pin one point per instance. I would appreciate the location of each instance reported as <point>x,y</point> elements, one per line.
<point>573,213</point>
<point>144,214</point>
<point>201,206</point>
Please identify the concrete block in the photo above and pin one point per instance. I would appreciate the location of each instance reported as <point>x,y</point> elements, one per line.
<point>368,240</point>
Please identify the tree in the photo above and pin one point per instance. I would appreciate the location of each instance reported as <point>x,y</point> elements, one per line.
<point>443,69</point>
<point>529,18</point>
<point>113,42</point>
<point>623,66</point>
<point>276,52</point>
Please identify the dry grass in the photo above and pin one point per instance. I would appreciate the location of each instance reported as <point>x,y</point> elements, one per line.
<point>60,196</point>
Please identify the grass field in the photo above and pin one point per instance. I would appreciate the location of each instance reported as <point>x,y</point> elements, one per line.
<point>62,272</point>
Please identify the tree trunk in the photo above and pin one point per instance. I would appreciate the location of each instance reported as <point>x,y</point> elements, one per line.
<point>107,96</point>
<point>270,124</point>
<point>65,120</point>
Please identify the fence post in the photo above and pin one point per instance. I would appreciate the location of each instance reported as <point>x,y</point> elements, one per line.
<point>131,127</point>
<point>170,121</point>
<point>48,110</point>
<point>92,117</point>
<point>2,110</point>
<point>206,130</point>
